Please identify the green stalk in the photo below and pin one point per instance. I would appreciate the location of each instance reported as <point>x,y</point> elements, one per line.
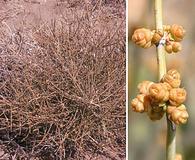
<point>161,60</point>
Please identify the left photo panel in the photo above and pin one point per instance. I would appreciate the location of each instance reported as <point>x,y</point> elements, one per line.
<point>63,80</point>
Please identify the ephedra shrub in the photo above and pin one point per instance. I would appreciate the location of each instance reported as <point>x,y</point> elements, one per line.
<point>62,88</point>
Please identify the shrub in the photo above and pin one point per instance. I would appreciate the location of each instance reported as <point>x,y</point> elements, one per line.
<point>62,87</point>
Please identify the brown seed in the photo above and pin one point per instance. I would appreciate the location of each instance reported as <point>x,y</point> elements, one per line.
<point>156,106</point>
<point>154,114</point>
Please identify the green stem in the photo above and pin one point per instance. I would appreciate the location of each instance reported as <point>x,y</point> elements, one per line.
<point>160,48</point>
<point>161,59</point>
<point>171,140</point>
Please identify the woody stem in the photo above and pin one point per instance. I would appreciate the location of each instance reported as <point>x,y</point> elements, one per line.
<point>161,60</point>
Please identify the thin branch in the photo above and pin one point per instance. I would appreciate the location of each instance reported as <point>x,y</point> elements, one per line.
<point>161,59</point>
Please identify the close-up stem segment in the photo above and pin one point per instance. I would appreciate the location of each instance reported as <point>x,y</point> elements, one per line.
<point>161,60</point>
<point>166,95</point>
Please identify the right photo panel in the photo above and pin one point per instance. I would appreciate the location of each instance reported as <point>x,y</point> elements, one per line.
<point>161,80</point>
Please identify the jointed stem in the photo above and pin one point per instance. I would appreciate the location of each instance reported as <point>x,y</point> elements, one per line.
<point>160,48</point>
<point>171,130</point>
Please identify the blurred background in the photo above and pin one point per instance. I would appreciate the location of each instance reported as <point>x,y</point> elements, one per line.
<point>147,139</point>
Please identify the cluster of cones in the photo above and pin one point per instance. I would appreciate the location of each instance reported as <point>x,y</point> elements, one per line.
<point>158,98</point>
<point>172,36</point>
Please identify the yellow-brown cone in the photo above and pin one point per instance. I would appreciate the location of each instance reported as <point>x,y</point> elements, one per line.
<point>140,103</point>
<point>179,115</point>
<point>172,78</point>
<point>158,92</point>
<point>177,96</point>
<point>177,32</point>
<point>144,86</point>
<point>142,37</point>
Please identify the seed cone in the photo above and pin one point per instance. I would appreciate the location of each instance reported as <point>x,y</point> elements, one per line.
<point>177,32</point>
<point>179,115</point>
<point>144,86</point>
<point>174,73</point>
<point>172,78</point>
<point>140,103</point>
<point>142,37</point>
<point>177,96</point>
<point>158,92</point>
